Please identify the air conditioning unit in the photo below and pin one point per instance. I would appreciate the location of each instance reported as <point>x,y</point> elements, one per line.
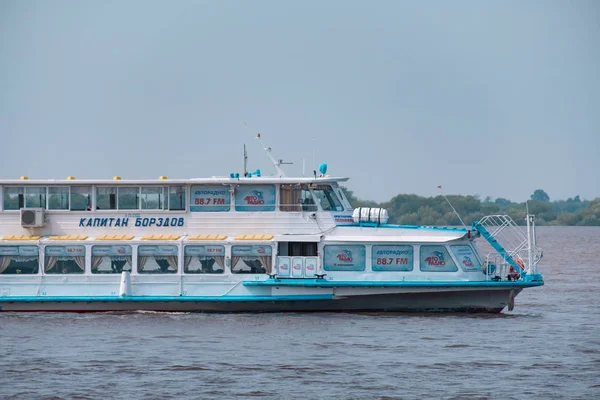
<point>32,217</point>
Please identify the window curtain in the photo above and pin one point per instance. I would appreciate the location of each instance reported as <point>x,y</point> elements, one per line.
<point>285,198</point>
<point>80,261</point>
<point>4,263</point>
<point>50,263</point>
<point>297,199</point>
<point>220,260</point>
<point>187,260</point>
<point>290,198</point>
<point>96,261</point>
<point>172,260</point>
<point>141,262</point>
<point>266,262</point>
<point>234,261</point>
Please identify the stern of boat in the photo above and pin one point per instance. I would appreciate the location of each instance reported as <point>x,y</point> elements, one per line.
<point>513,252</point>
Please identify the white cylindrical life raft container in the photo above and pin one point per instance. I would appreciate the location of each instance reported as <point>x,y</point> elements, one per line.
<point>370,214</point>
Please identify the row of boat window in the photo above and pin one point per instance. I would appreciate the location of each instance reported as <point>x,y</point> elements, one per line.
<point>432,258</point>
<point>244,259</point>
<point>201,198</point>
<point>162,259</point>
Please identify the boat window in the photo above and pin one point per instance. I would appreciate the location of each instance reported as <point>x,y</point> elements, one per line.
<point>177,198</point>
<point>466,258</point>
<point>210,198</point>
<point>81,198</point>
<point>14,198</point>
<point>106,198</point>
<point>157,259</point>
<point>327,198</point>
<point>35,197</point>
<point>128,198</point>
<point>436,259</point>
<point>300,249</point>
<point>154,198</point>
<point>344,258</point>
<point>345,201</point>
<point>64,260</point>
<point>255,198</point>
<point>58,198</point>
<point>392,258</point>
<point>204,260</point>
<point>296,197</point>
<point>19,260</point>
<point>111,259</point>
<point>251,259</point>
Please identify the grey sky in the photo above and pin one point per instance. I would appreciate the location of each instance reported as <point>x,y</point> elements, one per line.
<point>489,98</point>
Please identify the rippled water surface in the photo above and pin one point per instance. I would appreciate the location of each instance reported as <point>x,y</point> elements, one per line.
<point>548,347</point>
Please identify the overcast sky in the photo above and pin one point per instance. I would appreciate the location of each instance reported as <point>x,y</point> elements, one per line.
<point>490,98</point>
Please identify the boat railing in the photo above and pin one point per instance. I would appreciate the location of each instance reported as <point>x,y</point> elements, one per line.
<point>496,268</point>
<point>298,207</point>
<point>515,255</point>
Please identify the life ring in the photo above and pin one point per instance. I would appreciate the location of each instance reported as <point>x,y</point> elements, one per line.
<point>514,274</point>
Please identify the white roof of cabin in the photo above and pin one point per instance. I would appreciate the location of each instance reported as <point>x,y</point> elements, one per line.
<point>393,239</point>
<point>190,181</point>
<point>404,234</point>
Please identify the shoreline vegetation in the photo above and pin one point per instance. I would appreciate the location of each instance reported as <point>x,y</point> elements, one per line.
<point>411,209</point>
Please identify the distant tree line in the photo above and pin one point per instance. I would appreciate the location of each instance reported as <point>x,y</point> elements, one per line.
<point>410,209</point>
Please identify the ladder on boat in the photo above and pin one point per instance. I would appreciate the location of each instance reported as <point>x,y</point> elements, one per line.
<point>516,253</point>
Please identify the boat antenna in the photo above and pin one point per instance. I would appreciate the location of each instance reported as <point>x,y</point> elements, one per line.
<point>245,161</point>
<point>453,209</point>
<point>276,163</point>
<point>314,158</point>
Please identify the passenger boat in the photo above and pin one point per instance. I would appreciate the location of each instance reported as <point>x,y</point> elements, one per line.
<point>244,242</point>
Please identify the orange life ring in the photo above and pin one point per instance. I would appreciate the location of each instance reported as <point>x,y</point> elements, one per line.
<point>521,263</point>
<point>514,274</point>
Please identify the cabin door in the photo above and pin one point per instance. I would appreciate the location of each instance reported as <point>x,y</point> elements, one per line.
<point>297,259</point>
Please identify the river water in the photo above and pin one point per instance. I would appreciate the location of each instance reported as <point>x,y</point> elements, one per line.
<point>547,348</point>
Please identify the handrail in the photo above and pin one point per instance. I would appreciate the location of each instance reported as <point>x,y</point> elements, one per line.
<point>516,248</point>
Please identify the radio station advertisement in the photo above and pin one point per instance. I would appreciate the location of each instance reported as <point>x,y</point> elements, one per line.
<point>70,251</point>
<point>157,250</point>
<point>466,258</point>
<point>209,198</point>
<point>392,258</point>
<point>204,250</point>
<point>255,198</point>
<point>251,250</point>
<point>436,259</point>
<point>344,258</point>
<point>101,251</point>
<point>19,251</point>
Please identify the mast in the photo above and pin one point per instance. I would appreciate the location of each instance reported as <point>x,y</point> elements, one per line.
<point>276,163</point>
<point>245,161</point>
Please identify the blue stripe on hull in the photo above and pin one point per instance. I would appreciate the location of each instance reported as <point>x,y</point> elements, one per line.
<point>145,299</point>
<point>322,283</point>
